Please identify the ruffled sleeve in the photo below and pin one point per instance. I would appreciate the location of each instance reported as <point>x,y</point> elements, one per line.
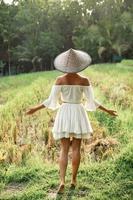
<point>90,104</point>
<point>53,100</point>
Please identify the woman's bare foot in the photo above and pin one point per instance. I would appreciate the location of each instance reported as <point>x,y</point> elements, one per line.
<point>73,184</point>
<point>61,188</point>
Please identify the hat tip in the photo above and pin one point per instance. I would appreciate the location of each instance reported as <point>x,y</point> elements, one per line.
<point>71,49</point>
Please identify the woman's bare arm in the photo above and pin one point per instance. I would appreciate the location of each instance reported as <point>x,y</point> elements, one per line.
<point>40,106</point>
<point>111,112</point>
<point>34,109</point>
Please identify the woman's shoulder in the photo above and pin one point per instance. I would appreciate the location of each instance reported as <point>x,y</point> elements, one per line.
<point>58,80</point>
<point>85,81</point>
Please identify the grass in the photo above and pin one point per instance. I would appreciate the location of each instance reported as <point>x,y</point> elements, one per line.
<point>29,156</point>
<point>106,180</point>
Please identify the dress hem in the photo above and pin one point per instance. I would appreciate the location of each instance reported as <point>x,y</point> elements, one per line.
<point>58,136</point>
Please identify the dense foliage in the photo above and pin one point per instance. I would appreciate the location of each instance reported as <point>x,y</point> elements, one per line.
<point>33,32</point>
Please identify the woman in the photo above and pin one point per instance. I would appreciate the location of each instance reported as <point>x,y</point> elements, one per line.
<point>71,121</point>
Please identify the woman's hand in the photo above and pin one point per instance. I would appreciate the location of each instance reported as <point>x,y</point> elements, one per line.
<point>30,111</point>
<point>112,112</point>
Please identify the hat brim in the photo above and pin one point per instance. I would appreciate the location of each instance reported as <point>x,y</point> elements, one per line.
<point>71,70</point>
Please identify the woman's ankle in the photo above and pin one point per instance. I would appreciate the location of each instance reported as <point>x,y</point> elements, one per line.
<point>62,182</point>
<point>73,181</point>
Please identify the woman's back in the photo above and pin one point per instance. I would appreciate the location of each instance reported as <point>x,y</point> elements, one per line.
<point>72,79</point>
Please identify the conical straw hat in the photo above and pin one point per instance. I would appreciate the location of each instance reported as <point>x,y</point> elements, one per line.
<point>72,61</point>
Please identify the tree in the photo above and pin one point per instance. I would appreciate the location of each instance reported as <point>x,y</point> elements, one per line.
<point>37,30</point>
<point>112,33</point>
<point>7,29</point>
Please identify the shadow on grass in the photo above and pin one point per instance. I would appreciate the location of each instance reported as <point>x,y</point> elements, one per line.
<point>70,193</point>
<point>67,195</point>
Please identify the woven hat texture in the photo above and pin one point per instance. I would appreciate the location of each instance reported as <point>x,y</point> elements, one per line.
<point>72,61</point>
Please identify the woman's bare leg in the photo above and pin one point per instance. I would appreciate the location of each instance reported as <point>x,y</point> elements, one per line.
<point>76,143</point>
<point>63,160</point>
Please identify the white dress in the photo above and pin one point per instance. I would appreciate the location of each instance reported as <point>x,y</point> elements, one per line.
<point>71,118</point>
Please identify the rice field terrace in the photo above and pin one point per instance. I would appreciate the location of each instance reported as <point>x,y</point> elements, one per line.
<point>29,155</point>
